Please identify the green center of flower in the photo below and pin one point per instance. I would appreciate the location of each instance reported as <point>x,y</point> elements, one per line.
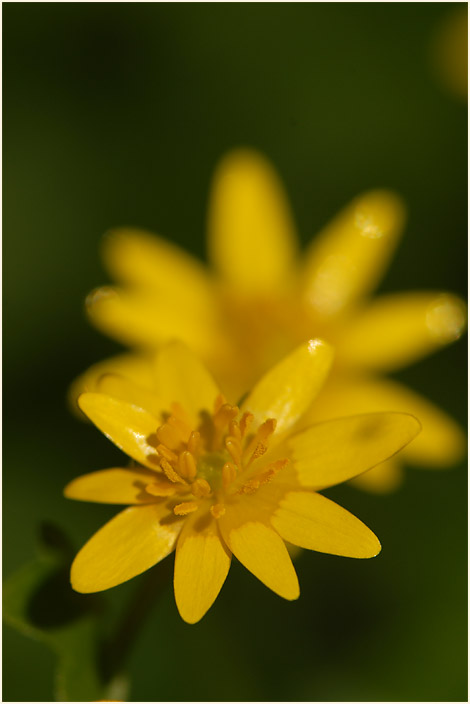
<point>218,460</point>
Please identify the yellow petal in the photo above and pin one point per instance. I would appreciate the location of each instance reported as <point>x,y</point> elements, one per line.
<point>288,389</point>
<point>337,450</point>
<point>143,319</point>
<point>180,376</point>
<point>132,542</point>
<point>384,478</point>
<point>145,261</point>
<point>259,548</point>
<point>201,565</point>
<point>252,240</point>
<point>314,522</point>
<point>441,442</point>
<point>349,256</point>
<point>125,389</point>
<point>112,486</point>
<point>398,329</point>
<point>129,427</point>
<point>135,367</point>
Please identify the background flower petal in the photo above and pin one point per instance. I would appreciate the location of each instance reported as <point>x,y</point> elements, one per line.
<point>129,427</point>
<point>130,543</point>
<point>397,329</point>
<point>180,376</point>
<point>202,563</point>
<point>112,486</point>
<point>312,521</point>
<point>441,442</point>
<point>382,479</point>
<point>347,259</point>
<point>252,240</point>
<point>337,450</point>
<point>288,389</point>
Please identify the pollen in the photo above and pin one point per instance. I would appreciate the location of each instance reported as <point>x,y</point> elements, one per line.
<point>216,461</point>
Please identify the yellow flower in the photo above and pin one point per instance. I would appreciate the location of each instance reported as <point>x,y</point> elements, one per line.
<point>214,480</point>
<point>265,298</point>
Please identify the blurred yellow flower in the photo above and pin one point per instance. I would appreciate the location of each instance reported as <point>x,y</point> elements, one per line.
<point>265,297</point>
<point>213,479</point>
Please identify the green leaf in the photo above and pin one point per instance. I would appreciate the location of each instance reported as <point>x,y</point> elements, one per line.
<point>39,602</point>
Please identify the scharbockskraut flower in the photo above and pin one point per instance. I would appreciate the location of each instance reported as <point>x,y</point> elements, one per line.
<point>214,480</point>
<point>264,300</point>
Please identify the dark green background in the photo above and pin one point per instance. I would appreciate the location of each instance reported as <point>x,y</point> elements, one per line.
<point>116,114</point>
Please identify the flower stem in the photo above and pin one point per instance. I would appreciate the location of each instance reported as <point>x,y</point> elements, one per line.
<point>116,651</point>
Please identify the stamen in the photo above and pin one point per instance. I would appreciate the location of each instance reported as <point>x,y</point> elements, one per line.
<point>185,508</point>
<point>181,427</point>
<point>245,422</point>
<point>229,474</point>
<point>252,485</point>
<point>219,402</point>
<point>194,443</point>
<point>234,430</point>
<point>170,473</point>
<point>169,436</point>
<point>170,456</point>
<point>161,488</point>
<point>218,510</point>
<point>262,435</point>
<point>201,488</point>
<point>234,449</point>
<point>259,451</point>
<point>187,465</point>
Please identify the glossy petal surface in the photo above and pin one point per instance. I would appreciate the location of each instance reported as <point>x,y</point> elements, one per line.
<point>398,329</point>
<point>201,565</point>
<point>129,427</point>
<point>119,386</point>
<point>132,542</point>
<point>182,377</point>
<point>347,259</point>
<point>334,451</point>
<point>312,521</point>
<point>112,486</point>
<point>287,390</point>
<point>252,240</point>
<point>259,548</point>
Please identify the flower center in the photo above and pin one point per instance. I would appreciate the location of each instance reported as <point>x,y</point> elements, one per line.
<point>214,462</point>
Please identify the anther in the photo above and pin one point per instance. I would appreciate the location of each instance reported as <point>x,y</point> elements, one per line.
<point>185,508</point>
<point>160,489</point>
<point>229,474</point>
<point>187,465</point>
<point>245,422</point>
<point>201,488</point>
<point>169,436</point>
<point>194,443</point>
<point>169,455</point>
<point>218,510</point>
<point>170,473</point>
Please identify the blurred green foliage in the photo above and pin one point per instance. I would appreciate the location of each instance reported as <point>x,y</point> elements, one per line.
<point>116,113</point>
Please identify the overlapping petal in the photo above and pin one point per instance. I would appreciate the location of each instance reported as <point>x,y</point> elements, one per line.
<point>287,390</point>
<point>312,521</point>
<point>181,376</point>
<point>130,543</point>
<point>129,427</point>
<point>201,565</point>
<point>246,530</point>
<point>441,442</point>
<point>112,486</point>
<point>252,240</point>
<point>334,451</point>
